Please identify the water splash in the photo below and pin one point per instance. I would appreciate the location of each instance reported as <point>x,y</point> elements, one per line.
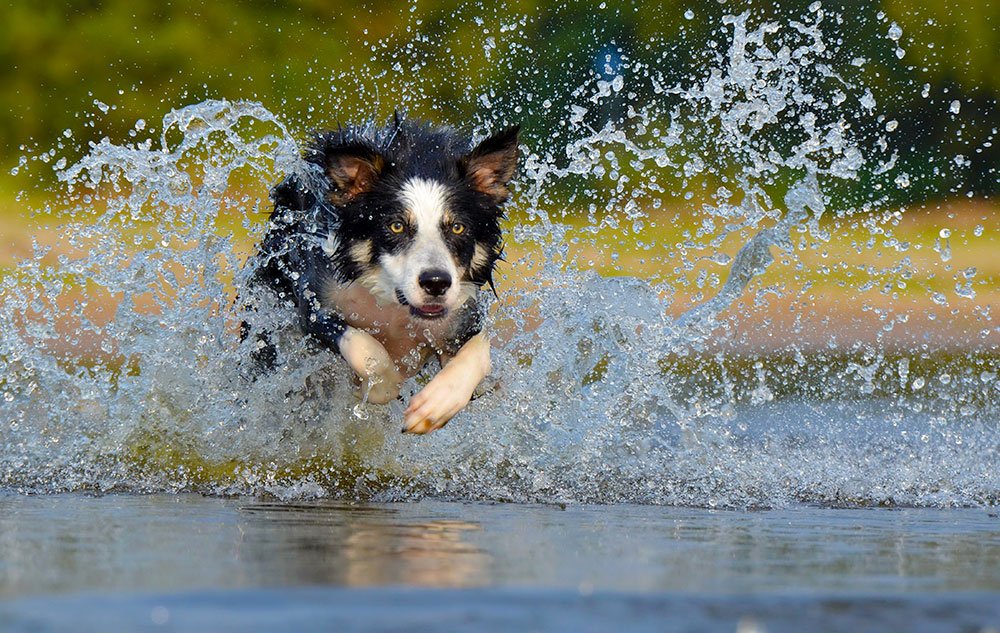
<point>120,355</point>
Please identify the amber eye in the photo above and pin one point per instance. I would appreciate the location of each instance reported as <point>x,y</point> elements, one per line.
<point>397,227</point>
<point>458,228</point>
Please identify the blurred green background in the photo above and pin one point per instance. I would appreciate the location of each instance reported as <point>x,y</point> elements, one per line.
<point>76,72</point>
<point>89,69</point>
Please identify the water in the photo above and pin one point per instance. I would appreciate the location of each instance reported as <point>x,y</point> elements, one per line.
<point>186,562</point>
<point>684,378</point>
<point>121,362</point>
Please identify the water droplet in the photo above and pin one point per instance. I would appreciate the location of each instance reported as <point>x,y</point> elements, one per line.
<point>944,248</point>
<point>867,100</point>
<point>955,107</point>
<point>965,290</point>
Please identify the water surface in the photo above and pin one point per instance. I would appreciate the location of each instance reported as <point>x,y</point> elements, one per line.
<point>125,561</point>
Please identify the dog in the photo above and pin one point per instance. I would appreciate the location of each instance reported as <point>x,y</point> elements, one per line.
<point>382,246</point>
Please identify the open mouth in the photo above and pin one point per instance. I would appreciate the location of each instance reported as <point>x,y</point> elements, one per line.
<point>429,311</point>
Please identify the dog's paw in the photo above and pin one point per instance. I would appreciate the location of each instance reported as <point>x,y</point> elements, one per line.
<point>379,379</point>
<point>437,403</point>
<point>451,389</point>
<point>380,390</point>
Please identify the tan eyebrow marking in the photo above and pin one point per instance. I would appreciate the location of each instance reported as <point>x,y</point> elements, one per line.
<point>362,252</point>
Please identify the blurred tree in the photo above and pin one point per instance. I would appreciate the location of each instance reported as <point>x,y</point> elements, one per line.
<point>96,67</point>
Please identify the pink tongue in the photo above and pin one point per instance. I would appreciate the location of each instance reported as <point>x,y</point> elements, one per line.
<point>432,309</point>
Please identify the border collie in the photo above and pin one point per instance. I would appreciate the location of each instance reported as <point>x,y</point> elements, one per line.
<point>382,247</point>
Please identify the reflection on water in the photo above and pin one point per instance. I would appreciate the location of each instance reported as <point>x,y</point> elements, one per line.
<point>68,543</point>
<point>171,543</point>
<point>357,546</point>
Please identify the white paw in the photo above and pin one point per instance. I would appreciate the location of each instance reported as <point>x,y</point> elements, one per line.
<point>451,389</point>
<point>437,403</point>
<point>380,390</point>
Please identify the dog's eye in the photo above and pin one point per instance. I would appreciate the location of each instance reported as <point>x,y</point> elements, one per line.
<point>458,228</point>
<point>397,227</point>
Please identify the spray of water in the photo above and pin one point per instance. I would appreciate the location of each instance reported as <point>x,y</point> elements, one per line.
<point>121,363</point>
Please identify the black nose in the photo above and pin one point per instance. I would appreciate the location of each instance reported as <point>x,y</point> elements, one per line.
<point>435,282</point>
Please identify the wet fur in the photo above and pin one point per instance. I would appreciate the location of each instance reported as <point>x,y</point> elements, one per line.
<point>360,287</point>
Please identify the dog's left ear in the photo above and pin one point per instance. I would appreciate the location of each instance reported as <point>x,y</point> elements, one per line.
<point>352,170</point>
<point>491,165</point>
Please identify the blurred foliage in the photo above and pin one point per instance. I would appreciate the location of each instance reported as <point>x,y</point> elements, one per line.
<point>79,70</point>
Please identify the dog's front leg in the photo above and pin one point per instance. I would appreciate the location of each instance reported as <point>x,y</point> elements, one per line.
<point>380,379</point>
<point>448,392</point>
<point>370,361</point>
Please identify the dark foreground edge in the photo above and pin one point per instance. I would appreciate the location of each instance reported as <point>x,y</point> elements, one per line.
<point>520,610</point>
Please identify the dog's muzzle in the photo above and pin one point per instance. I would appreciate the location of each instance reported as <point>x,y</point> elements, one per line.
<point>427,311</point>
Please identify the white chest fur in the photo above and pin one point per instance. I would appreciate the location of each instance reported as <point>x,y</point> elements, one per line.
<point>408,340</point>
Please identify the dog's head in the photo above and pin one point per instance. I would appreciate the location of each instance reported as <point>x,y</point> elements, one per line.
<point>418,211</point>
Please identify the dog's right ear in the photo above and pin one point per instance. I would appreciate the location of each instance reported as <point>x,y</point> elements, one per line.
<point>352,170</point>
<point>491,165</point>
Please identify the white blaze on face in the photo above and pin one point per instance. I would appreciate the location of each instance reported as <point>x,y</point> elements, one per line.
<point>426,203</point>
